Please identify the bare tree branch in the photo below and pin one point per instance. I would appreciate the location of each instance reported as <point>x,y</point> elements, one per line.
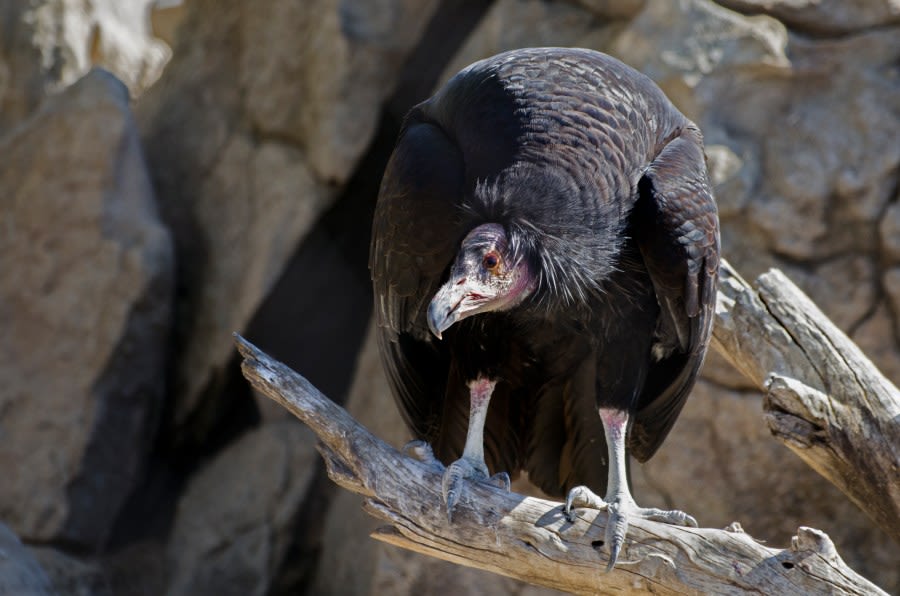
<point>824,399</point>
<point>530,539</point>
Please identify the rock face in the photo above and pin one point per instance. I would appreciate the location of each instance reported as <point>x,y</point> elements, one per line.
<point>263,139</point>
<point>20,573</point>
<point>85,289</point>
<point>51,43</point>
<point>248,141</point>
<point>235,520</point>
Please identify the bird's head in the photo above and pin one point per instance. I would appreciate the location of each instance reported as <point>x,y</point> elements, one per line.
<point>487,276</point>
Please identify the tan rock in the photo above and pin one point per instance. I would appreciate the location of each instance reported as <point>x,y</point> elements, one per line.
<point>49,44</point>
<point>613,8</point>
<point>85,295</point>
<point>876,335</point>
<point>236,518</point>
<point>889,233</point>
<point>823,17</point>
<point>511,24</point>
<point>843,287</point>
<point>891,283</point>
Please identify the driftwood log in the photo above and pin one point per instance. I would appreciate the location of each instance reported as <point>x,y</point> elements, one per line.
<point>824,399</point>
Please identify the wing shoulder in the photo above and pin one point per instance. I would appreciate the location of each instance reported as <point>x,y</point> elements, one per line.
<point>414,235</point>
<point>676,227</point>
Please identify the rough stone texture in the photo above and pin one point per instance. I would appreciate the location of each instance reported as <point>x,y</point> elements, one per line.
<point>823,17</point>
<point>802,136</point>
<point>511,24</point>
<point>889,233</point>
<point>85,289</point>
<point>257,125</point>
<point>49,44</point>
<point>265,107</point>
<point>165,18</point>
<point>71,576</point>
<point>20,573</point>
<point>235,519</point>
<point>613,8</point>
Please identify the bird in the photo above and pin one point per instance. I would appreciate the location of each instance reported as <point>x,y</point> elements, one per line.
<point>544,261</point>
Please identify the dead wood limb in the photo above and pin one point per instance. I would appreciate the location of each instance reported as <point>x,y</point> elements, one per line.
<point>528,538</point>
<point>824,399</point>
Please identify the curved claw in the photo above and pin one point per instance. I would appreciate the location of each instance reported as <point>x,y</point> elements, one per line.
<point>616,530</point>
<point>501,480</point>
<point>619,509</point>
<point>454,479</point>
<point>582,496</point>
<point>674,517</point>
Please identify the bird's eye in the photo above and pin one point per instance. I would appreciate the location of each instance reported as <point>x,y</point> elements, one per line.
<point>491,261</point>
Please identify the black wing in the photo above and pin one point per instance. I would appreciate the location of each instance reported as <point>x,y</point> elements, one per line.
<point>466,133</point>
<point>414,238</point>
<point>676,227</point>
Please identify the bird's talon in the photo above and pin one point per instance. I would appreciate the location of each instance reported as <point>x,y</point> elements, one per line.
<point>582,496</point>
<point>464,469</point>
<point>501,480</point>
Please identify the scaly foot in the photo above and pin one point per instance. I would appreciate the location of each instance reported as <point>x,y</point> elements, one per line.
<point>619,509</point>
<point>462,469</point>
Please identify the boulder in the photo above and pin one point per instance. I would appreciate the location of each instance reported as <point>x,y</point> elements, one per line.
<point>20,573</point>
<point>49,44</point>
<point>823,17</point>
<point>237,517</point>
<point>85,298</point>
<point>70,575</point>
<point>263,111</point>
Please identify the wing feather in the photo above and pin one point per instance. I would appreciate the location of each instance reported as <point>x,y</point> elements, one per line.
<point>676,227</point>
<point>414,238</point>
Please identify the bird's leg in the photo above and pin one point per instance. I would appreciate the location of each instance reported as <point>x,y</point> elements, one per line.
<point>471,464</point>
<point>619,503</point>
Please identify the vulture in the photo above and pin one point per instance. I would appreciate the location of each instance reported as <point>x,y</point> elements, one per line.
<point>544,260</point>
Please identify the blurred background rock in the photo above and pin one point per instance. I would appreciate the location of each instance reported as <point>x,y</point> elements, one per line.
<point>171,172</point>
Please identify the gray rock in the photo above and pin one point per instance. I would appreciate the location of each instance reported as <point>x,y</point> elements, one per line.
<point>511,24</point>
<point>20,573</point>
<point>72,576</point>
<point>237,516</point>
<point>248,141</point>
<point>85,292</point>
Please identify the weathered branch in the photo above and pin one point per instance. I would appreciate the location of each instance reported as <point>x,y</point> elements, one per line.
<point>529,538</point>
<point>824,399</point>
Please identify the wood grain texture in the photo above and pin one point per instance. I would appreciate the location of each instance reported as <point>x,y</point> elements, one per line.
<point>824,399</point>
<point>529,538</point>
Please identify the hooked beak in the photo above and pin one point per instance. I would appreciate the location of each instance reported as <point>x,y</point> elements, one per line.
<point>444,309</point>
